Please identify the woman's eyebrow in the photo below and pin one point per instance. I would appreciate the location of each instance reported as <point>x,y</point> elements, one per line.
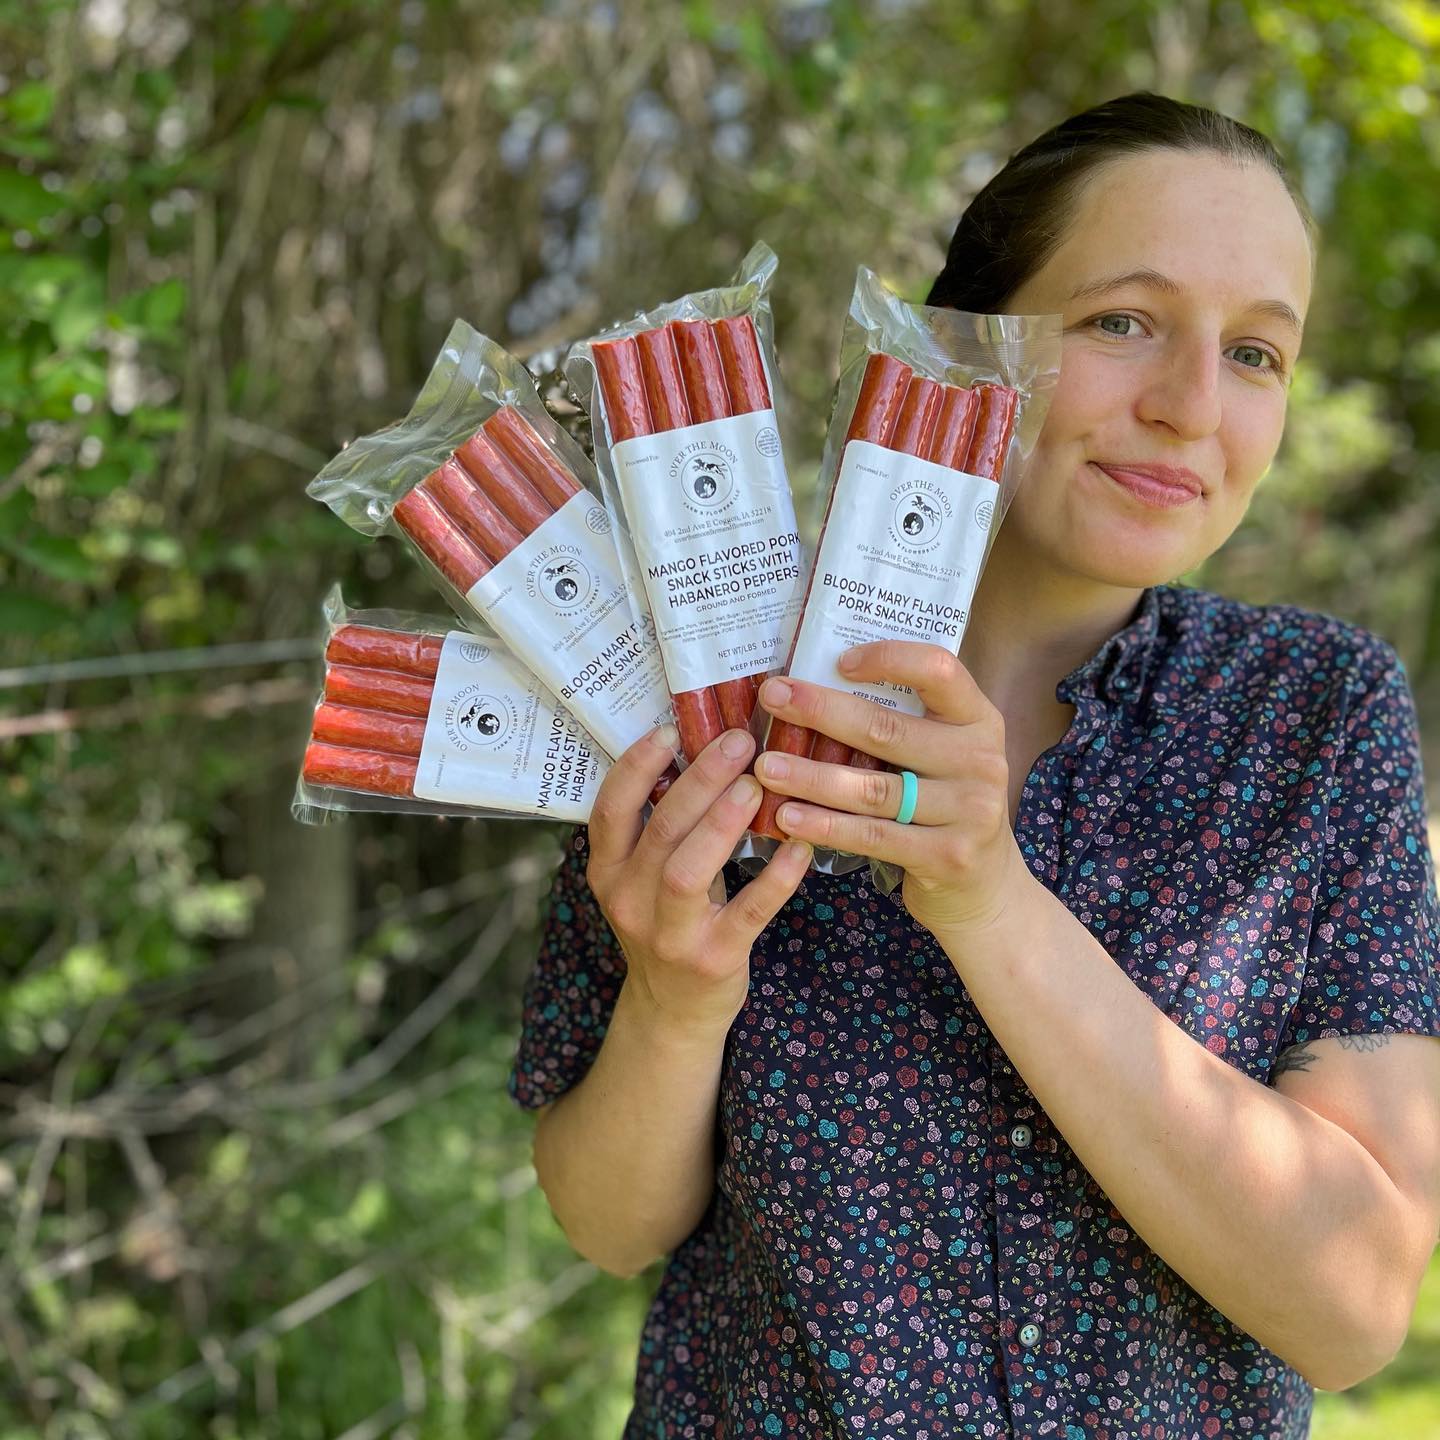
<point>1154,280</point>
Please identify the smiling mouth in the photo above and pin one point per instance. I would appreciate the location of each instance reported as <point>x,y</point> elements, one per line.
<point>1153,490</point>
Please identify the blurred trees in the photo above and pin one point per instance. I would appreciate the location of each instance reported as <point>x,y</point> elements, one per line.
<point>232,236</point>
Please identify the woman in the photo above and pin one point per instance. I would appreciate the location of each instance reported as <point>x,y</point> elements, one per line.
<point>1125,1122</point>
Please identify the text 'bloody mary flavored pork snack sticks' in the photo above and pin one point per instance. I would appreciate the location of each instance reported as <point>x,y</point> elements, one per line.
<point>936,413</point>
<point>682,404</point>
<point>438,722</point>
<point>502,503</point>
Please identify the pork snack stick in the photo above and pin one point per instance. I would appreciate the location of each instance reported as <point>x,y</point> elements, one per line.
<point>682,402</point>
<point>504,509</point>
<point>936,414</point>
<point>420,718</point>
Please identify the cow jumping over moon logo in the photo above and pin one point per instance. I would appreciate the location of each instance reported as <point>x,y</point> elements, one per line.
<point>707,479</point>
<point>918,516</point>
<point>480,717</point>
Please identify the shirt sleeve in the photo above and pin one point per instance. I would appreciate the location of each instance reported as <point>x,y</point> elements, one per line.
<point>571,991</point>
<point>1373,962</point>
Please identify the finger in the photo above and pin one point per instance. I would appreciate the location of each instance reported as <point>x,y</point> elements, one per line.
<point>931,671</point>
<point>866,835</point>
<point>689,870</point>
<point>861,792</point>
<point>615,823</point>
<point>909,740</point>
<point>759,902</point>
<point>689,797</point>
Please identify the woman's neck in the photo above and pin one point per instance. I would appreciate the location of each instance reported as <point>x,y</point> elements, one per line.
<point>1030,628</point>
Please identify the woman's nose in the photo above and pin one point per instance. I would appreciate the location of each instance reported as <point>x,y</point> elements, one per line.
<point>1182,390</point>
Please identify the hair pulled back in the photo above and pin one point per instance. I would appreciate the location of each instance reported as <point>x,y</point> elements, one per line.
<point>1014,225</point>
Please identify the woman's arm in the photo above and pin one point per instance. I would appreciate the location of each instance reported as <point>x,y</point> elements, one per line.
<point>1278,1217</point>
<point>626,1158</point>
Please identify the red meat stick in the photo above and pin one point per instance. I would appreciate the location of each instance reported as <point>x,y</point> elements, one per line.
<point>513,434</point>
<point>503,483</point>
<point>363,770</point>
<point>369,689</point>
<point>627,411</point>
<point>440,540</point>
<point>385,649</point>
<point>955,427</point>
<point>992,431</point>
<point>744,369</point>
<point>453,489</point>
<point>368,729</point>
<point>877,408</point>
<point>704,380</point>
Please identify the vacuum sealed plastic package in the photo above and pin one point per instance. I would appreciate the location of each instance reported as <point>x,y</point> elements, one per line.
<point>683,404</point>
<point>418,718</point>
<point>936,416</point>
<point>503,507</point>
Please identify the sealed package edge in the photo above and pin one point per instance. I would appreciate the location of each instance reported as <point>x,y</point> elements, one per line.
<point>936,416</point>
<point>682,400</point>
<point>501,504</point>
<point>419,718</point>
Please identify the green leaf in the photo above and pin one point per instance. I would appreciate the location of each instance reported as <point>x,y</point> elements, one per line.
<point>102,479</point>
<point>30,614</point>
<point>25,201</point>
<point>56,555</point>
<point>30,106</point>
<point>80,313</point>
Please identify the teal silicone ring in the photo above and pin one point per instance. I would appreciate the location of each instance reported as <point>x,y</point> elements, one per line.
<point>908,797</point>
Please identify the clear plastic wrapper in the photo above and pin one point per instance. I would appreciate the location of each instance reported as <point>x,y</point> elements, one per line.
<point>935,418</point>
<point>683,406</point>
<point>417,718</point>
<point>504,510</point>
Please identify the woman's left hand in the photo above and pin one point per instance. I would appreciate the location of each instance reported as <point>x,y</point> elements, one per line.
<point>962,866</point>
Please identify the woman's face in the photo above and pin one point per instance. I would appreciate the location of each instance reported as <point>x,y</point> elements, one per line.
<point>1181,281</point>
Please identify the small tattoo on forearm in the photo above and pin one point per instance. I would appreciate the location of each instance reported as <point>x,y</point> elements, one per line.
<point>1302,1057</point>
<point>1363,1043</point>
<point>1297,1057</point>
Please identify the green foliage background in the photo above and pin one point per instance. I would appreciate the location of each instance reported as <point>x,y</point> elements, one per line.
<point>258,1173</point>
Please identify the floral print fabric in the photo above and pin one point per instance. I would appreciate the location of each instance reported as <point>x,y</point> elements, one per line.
<point>900,1245</point>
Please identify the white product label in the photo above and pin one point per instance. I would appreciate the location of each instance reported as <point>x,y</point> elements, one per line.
<point>899,559</point>
<point>494,738</point>
<point>714,529</point>
<point>559,600</point>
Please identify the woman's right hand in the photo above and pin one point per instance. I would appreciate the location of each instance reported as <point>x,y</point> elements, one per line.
<point>659,883</point>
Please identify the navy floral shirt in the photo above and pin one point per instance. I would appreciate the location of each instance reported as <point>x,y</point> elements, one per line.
<point>901,1246</point>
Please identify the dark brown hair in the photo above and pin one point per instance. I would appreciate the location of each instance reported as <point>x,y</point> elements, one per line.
<point>1014,225</point>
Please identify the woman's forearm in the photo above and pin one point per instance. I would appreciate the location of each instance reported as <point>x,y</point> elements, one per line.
<point>626,1158</point>
<point>1280,1219</point>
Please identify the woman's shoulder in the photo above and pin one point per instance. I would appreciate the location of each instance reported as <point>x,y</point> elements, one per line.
<point>1234,645</point>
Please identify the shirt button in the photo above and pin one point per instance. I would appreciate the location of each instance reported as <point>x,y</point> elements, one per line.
<point>1029,1336</point>
<point>1021,1136</point>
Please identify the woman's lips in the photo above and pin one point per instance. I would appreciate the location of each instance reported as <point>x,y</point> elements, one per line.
<point>1162,493</point>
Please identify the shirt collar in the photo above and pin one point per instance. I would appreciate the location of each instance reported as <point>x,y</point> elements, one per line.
<point>1118,668</point>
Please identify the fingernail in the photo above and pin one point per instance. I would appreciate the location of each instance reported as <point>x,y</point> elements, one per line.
<point>735,744</point>
<point>667,737</point>
<point>776,692</point>
<point>772,767</point>
<point>745,791</point>
<point>795,850</point>
<point>848,661</point>
<point>788,815</point>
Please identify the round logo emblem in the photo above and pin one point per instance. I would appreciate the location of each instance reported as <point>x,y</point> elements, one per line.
<point>483,719</point>
<point>474,652</point>
<point>767,442</point>
<point>597,521</point>
<point>916,519</point>
<point>707,479</point>
<point>565,582</point>
<point>983,513</point>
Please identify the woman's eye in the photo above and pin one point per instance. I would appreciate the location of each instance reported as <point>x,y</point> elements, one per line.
<point>1115,324</point>
<point>1253,357</point>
